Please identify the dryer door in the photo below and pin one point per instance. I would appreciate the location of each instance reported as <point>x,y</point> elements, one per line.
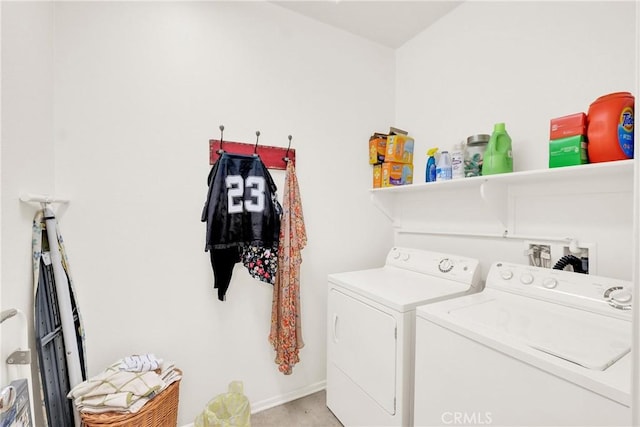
<point>362,344</point>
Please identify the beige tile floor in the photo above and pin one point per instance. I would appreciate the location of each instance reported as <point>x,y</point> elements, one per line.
<point>309,411</point>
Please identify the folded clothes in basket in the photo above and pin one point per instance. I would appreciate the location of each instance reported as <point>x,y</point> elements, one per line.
<point>116,390</point>
<point>140,363</point>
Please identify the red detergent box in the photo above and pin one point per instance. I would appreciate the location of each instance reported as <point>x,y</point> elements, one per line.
<point>571,125</point>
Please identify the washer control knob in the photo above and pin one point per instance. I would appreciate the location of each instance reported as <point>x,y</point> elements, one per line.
<point>405,257</point>
<point>622,296</point>
<point>549,283</point>
<point>445,265</point>
<point>506,274</point>
<point>618,297</point>
<point>396,254</point>
<point>526,279</point>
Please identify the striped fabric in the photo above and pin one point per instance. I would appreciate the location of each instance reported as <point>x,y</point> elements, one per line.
<point>118,390</point>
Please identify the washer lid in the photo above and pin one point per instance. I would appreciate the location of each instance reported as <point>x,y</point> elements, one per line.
<point>591,340</point>
<point>397,288</point>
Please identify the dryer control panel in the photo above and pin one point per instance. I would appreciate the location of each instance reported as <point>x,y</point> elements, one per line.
<point>566,287</point>
<point>452,267</point>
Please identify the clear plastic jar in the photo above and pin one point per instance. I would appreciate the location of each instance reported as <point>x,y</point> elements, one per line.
<point>474,154</point>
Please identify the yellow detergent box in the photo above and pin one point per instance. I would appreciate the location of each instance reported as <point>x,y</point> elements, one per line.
<point>394,174</point>
<point>399,149</point>
<point>377,175</point>
<point>377,147</point>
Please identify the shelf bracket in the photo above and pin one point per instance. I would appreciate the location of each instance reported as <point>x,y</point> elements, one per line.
<point>382,206</point>
<point>19,357</point>
<point>494,196</point>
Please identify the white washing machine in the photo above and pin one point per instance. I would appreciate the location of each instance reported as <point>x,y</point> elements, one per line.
<point>537,347</point>
<point>371,322</point>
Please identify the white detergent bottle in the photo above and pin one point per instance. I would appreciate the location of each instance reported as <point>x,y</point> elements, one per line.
<point>457,161</point>
<point>443,168</point>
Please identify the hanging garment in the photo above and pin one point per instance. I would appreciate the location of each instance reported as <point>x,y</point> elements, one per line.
<point>286,328</point>
<point>58,325</point>
<point>262,262</point>
<point>241,210</point>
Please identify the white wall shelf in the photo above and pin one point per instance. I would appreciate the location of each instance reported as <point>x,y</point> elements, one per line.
<point>494,189</point>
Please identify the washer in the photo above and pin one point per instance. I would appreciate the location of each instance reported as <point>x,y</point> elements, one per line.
<point>371,322</point>
<point>536,347</point>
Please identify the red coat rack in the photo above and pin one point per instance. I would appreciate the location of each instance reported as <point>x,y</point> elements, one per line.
<point>272,157</point>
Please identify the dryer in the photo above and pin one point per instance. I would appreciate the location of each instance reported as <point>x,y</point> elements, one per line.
<point>536,347</point>
<point>370,337</point>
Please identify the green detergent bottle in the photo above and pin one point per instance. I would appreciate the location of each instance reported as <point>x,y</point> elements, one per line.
<point>497,156</point>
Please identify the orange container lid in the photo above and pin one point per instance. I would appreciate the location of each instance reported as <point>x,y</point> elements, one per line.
<point>611,96</point>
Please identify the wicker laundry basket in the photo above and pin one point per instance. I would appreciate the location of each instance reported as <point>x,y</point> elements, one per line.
<point>161,411</point>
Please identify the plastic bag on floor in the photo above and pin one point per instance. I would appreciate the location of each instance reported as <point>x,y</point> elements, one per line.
<point>229,409</point>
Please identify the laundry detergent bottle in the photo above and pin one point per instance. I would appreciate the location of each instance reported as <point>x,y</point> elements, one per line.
<point>497,156</point>
<point>430,172</point>
<point>610,127</point>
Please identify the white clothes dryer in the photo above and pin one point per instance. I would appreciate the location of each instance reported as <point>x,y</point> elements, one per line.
<point>537,347</point>
<point>371,322</point>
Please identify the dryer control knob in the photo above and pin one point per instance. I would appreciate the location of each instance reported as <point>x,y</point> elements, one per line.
<point>506,274</point>
<point>526,279</point>
<point>405,257</point>
<point>549,283</point>
<point>445,265</point>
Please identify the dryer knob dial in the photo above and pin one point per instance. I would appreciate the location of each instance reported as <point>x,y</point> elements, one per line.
<point>506,274</point>
<point>405,257</point>
<point>396,254</point>
<point>549,283</point>
<point>445,265</point>
<point>526,279</point>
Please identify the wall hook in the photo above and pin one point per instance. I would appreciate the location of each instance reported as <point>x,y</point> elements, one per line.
<point>220,150</point>
<point>255,149</point>
<point>286,155</point>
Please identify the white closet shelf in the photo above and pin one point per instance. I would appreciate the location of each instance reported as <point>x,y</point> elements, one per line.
<point>494,188</point>
<point>592,171</point>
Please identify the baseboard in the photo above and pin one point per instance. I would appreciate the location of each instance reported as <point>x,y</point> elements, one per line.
<point>284,398</point>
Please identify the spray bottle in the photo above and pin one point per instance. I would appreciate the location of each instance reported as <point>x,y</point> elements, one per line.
<point>430,173</point>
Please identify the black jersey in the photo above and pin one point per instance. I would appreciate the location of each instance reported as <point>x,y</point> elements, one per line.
<point>241,207</point>
<point>241,211</point>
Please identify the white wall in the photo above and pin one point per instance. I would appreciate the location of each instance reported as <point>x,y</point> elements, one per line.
<point>140,88</point>
<point>521,63</point>
<point>27,154</point>
<point>137,90</point>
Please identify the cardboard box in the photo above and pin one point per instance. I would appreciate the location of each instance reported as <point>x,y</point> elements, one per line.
<point>571,125</point>
<point>377,175</point>
<point>377,148</point>
<point>568,151</point>
<point>399,149</point>
<point>394,174</point>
